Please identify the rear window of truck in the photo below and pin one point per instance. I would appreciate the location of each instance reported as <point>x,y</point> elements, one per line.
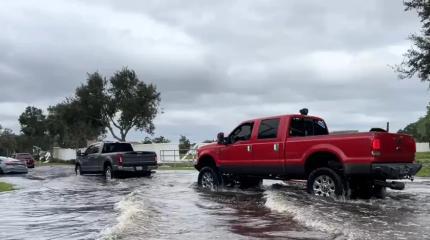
<point>117,147</point>
<point>268,128</point>
<point>302,127</point>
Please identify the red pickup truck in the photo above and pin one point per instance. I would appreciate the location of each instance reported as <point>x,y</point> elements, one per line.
<point>299,146</point>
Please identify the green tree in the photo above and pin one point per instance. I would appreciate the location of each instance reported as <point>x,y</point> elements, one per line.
<point>8,143</point>
<point>160,139</point>
<point>184,145</point>
<point>120,104</point>
<point>70,125</point>
<point>132,104</point>
<point>147,140</point>
<point>417,58</point>
<point>34,128</point>
<point>33,122</point>
<point>420,129</point>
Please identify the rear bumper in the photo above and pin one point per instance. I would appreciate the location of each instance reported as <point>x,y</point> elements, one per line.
<point>138,168</point>
<point>384,170</point>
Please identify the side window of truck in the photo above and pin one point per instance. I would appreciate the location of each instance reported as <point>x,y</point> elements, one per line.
<point>268,128</point>
<point>301,127</point>
<point>89,150</point>
<point>297,127</point>
<point>320,128</point>
<point>96,149</point>
<point>242,132</point>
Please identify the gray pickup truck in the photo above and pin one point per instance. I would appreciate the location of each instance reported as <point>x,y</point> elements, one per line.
<point>112,158</point>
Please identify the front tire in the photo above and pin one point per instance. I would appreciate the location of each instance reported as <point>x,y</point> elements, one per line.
<point>78,170</point>
<point>326,183</point>
<point>209,179</point>
<point>108,173</point>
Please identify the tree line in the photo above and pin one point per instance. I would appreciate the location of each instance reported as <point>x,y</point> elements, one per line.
<point>98,107</point>
<point>416,63</point>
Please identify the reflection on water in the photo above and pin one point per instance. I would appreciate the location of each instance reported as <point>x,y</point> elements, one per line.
<point>52,203</point>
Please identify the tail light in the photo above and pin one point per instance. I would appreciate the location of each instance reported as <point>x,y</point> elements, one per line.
<point>376,147</point>
<point>120,159</point>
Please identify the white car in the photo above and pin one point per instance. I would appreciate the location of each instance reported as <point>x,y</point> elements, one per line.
<point>12,165</point>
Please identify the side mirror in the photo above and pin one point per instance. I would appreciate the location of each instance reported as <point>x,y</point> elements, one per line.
<point>220,138</point>
<point>79,153</point>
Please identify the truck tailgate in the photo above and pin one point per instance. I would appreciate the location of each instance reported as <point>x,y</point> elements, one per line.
<point>139,158</point>
<point>395,148</point>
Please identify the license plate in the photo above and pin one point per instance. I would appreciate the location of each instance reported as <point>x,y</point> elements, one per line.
<point>139,168</point>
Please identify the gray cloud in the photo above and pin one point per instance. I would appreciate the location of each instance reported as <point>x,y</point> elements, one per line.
<point>217,63</point>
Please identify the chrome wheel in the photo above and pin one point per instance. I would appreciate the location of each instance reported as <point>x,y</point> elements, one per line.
<point>324,186</point>
<point>208,181</point>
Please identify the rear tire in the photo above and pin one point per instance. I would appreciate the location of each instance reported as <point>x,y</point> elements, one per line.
<point>326,183</point>
<point>379,192</point>
<point>365,188</point>
<point>209,179</point>
<point>250,182</point>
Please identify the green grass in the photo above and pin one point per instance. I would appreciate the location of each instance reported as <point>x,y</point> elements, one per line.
<point>176,166</point>
<point>424,159</point>
<point>5,187</point>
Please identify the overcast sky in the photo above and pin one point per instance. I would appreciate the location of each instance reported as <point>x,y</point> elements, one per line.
<point>217,63</point>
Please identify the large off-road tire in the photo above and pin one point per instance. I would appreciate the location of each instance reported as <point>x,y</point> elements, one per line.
<point>250,182</point>
<point>78,170</point>
<point>209,179</point>
<point>379,192</point>
<point>365,189</point>
<point>325,182</point>
<point>108,172</point>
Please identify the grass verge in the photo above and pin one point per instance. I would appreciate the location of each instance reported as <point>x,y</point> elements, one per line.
<point>424,159</point>
<point>5,187</point>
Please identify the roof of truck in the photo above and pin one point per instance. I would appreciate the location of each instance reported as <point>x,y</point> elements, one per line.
<point>283,116</point>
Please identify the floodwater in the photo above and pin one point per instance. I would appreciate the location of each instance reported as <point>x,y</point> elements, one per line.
<point>53,203</point>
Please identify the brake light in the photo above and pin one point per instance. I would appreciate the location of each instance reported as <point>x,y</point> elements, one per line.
<point>376,147</point>
<point>376,144</point>
<point>120,159</point>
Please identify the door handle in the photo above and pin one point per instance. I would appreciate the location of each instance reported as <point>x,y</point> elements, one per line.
<point>276,147</point>
<point>249,148</point>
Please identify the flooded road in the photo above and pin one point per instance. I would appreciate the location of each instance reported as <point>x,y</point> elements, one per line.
<point>53,203</point>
